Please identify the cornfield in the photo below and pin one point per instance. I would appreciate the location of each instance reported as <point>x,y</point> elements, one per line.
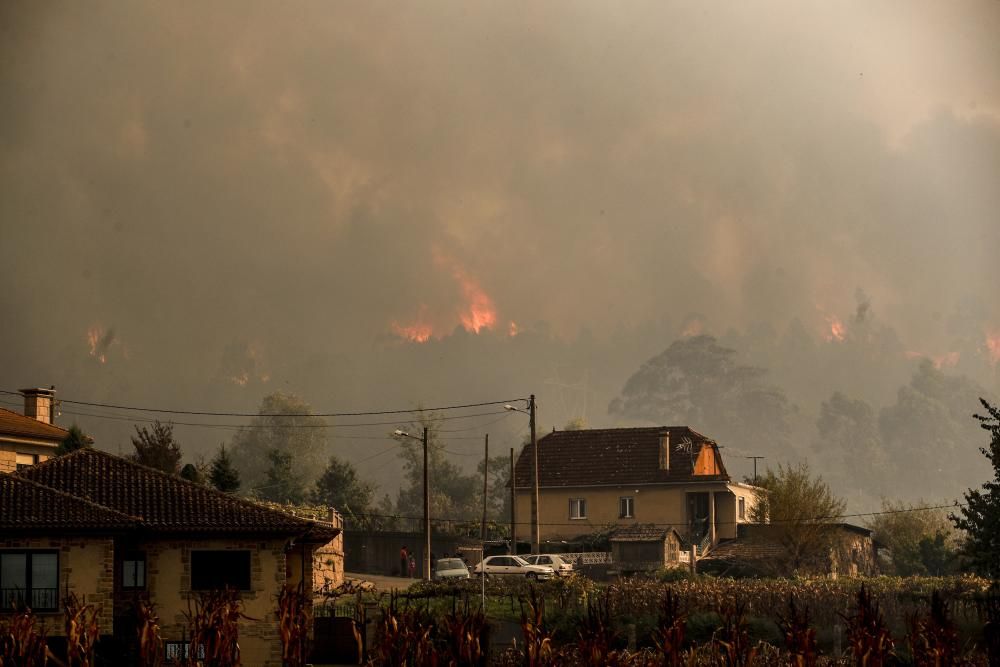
<point>708,621</point>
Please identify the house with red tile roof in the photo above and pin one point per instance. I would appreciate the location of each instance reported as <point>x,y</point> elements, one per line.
<point>26,439</point>
<point>111,530</point>
<point>661,476</point>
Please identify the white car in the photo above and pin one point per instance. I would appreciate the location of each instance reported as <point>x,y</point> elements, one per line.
<point>562,567</point>
<point>513,566</point>
<point>450,568</point>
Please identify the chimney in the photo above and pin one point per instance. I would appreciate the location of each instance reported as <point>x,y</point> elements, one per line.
<point>665,450</point>
<point>39,404</point>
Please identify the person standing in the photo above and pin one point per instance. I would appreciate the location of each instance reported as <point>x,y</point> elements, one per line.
<point>404,561</point>
<point>413,566</point>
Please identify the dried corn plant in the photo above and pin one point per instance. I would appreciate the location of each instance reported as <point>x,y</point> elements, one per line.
<point>214,626</point>
<point>22,641</point>
<point>294,621</point>
<point>868,636</point>
<point>800,636</point>
<point>148,630</point>
<point>537,640</point>
<point>669,634</point>
<point>83,629</point>
<point>732,639</point>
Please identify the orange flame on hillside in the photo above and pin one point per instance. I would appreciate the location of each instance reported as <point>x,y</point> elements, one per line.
<point>480,312</point>
<point>95,338</point>
<point>838,332</point>
<point>993,346</point>
<point>694,327</point>
<point>477,311</point>
<point>417,332</point>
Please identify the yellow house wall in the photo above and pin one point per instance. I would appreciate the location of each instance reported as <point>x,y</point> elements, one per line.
<point>9,449</point>
<point>86,568</point>
<point>169,583</point>
<point>653,504</point>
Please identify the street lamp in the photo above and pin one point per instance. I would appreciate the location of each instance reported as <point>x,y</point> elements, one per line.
<point>427,503</point>
<point>535,527</point>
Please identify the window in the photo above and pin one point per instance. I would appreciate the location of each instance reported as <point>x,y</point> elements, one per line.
<point>577,508</point>
<point>134,570</point>
<point>29,579</point>
<point>626,507</point>
<point>22,461</point>
<point>218,570</point>
<point>743,508</point>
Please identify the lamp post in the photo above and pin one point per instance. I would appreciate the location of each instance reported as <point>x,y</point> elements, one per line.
<point>535,526</point>
<point>427,503</point>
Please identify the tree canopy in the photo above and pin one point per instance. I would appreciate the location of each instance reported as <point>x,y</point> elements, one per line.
<point>155,447</point>
<point>919,542</point>
<point>281,483</point>
<point>285,424</point>
<point>75,439</point>
<point>340,487</point>
<point>980,517</point>
<point>700,383</point>
<point>454,494</point>
<point>222,475</point>
<point>800,509</point>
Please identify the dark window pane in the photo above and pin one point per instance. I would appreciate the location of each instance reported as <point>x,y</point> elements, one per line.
<point>13,571</point>
<point>216,570</point>
<point>44,571</point>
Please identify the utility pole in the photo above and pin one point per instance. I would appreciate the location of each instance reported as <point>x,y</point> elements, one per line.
<point>486,472</point>
<point>482,550</point>
<point>513,507</point>
<point>755,458</point>
<point>427,514</point>
<point>536,539</point>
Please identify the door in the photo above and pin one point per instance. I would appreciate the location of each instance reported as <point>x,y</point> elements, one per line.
<point>697,510</point>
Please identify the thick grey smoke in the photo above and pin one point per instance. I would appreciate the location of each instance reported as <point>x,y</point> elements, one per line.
<point>201,204</point>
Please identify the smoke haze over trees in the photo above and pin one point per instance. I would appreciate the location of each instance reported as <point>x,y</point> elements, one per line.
<point>377,206</point>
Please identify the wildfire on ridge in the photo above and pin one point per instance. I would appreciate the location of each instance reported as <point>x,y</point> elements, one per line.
<point>417,332</point>
<point>694,327</point>
<point>993,346</point>
<point>837,332</point>
<point>477,311</point>
<point>99,342</point>
<point>480,312</point>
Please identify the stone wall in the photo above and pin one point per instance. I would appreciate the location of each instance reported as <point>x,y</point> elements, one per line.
<point>168,580</point>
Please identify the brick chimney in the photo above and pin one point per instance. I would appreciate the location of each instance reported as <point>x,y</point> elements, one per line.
<point>39,404</point>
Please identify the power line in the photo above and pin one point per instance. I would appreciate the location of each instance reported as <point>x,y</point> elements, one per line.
<point>254,414</point>
<point>578,523</point>
<point>286,426</point>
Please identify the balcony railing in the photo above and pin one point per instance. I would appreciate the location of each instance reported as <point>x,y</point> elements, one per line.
<point>38,599</point>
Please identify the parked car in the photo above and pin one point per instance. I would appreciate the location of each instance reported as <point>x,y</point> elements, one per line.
<point>450,568</point>
<point>562,567</point>
<point>513,566</point>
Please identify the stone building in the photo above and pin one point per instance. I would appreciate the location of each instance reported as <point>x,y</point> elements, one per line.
<point>109,530</point>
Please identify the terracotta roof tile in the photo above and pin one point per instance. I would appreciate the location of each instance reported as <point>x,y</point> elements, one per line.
<point>163,502</point>
<point>13,423</point>
<point>27,505</point>
<point>613,456</point>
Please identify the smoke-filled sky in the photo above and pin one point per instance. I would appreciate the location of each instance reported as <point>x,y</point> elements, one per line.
<point>272,195</point>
